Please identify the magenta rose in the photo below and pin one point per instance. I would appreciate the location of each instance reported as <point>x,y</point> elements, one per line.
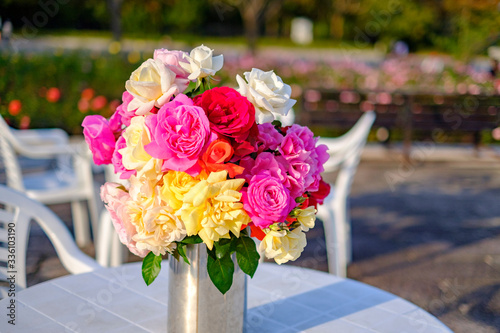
<point>266,200</point>
<point>292,147</point>
<point>100,138</point>
<point>265,163</point>
<point>229,113</point>
<point>268,138</point>
<point>123,172</point>
<point>122,117</point>
<point>180,133</point>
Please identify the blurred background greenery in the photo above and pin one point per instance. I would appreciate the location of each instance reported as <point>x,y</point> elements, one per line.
<point>57,87</point>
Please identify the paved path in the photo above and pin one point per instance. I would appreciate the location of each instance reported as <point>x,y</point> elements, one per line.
<point>432,237</point>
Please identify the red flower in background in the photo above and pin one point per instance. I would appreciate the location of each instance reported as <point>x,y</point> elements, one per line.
<point>15,107</point>
<point>98,103</point>
<point>53,95</point>
<point>88,93</point>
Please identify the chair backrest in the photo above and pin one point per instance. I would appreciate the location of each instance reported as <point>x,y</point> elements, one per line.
<point>16,213</point>
<point>345,152</point>
<point>10,161</point>
<point>348,147</point>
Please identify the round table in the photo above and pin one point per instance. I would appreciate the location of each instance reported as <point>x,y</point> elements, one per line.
<point>280,299</point>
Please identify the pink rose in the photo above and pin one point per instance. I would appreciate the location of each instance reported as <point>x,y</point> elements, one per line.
<point>117,160</point>
<point>100,138</point>
<point>115,198</point>
<point>299,176</point>
<point>267,200</point>
<point>268,138</point>
<point>305,134</point>
<point>293,147</point>
<point>172,60</point>
<point>180,134</point>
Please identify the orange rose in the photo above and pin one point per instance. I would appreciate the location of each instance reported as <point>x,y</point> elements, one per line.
<point>217,155</point>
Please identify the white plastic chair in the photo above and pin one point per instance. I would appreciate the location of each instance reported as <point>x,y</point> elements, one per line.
<point>110,252</point>
<point>71,181</point>
<point>345,152</point>
<point>16,213</point>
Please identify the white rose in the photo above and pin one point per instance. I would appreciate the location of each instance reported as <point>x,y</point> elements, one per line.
<point>152,84</point>
<point>268,94</point>
<point>283,246</point>
<point>202,63</point>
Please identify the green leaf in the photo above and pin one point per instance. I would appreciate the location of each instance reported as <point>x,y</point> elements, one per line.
<point>192,240</point>
<point>151,266</point>
<point>191,89</point>
<point>181,249</point>
<point>247,255</point>
<point>221,272</point>
<point>222,247</point>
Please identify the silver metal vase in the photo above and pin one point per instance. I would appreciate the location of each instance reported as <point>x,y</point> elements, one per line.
<point>195,304</point>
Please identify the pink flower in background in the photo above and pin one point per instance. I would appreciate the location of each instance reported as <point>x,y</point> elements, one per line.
<point>266,200</point>
<point>180,134</point>
<point>25,122</point>
<point>268,138</point>
<point>115,199</point>
<point>100,138</point>
<point>83,105</point>
<point>116,159</point>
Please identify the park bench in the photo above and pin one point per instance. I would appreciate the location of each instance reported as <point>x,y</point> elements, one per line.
<point>403,116</point>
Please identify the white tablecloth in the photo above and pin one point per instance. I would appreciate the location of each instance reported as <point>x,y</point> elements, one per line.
<point>280,299</point>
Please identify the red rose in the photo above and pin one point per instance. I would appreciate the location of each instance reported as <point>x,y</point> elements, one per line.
<point>319,196</point>
<point>230,114</point>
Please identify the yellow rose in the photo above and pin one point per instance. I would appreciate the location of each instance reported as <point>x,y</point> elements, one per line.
<point>212,208</point>
<point>283,245</point>
<point>134,156</point>
<point>175,185</point>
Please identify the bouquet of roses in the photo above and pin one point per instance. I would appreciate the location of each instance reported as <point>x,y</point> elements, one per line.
<point>207,165</point>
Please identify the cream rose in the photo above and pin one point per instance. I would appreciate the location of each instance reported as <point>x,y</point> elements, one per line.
<point>152,84</point>
<point>202,63</point>
<point>268,94</point>
<point>283,246</point>
<point>307,218</point>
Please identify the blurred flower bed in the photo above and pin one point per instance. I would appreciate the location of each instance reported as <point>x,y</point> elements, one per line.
<point>59,90</point>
